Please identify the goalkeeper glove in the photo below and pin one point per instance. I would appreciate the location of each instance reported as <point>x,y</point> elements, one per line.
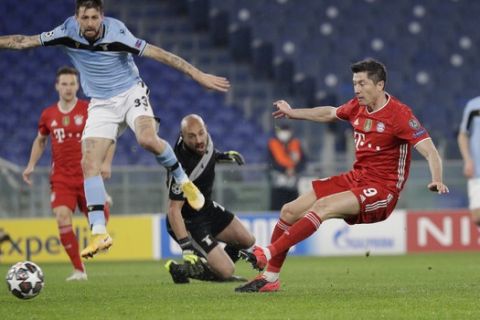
<point>188,252</point>
<point>232,156</point>
<point>192,262</point>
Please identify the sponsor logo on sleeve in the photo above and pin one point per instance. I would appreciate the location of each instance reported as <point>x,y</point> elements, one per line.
<point>176,188</point>
<point>138,44</point>
<point>419,133</point>
<point>413,124</point>
<point>49,34</point>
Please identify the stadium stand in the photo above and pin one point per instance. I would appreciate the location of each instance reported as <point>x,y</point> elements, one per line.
<point>268,49</point>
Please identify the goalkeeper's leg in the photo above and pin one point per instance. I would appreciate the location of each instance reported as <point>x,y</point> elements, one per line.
<point>201,270</point>
<point>220,263</point>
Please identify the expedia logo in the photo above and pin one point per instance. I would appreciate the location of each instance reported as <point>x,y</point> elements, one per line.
<point>31,246</point>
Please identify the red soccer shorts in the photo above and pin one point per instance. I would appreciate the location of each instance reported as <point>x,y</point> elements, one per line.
<point>69,195</point>
<point>376,202</point>
<point>72,195</point>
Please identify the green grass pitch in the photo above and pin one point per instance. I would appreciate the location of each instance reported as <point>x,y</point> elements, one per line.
<point>426,286</point>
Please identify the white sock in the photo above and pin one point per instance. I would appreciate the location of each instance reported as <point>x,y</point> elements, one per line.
<point>267,253</point>
<point>271,276</point>
<point>99,229</point>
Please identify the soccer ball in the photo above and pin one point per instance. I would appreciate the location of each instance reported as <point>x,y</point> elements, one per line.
<point>25,280</point>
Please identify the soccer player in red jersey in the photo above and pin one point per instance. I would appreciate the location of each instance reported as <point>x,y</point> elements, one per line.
<point>64,122</point>
<point>385,130</point>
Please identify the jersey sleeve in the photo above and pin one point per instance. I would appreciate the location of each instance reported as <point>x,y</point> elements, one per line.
<point>464,126</point>
<point>345,110</point>
<point>410,129</point>
<point>55,36</point>
<point>124,39</point>
<point>175,191</point>
<point>43,124</point>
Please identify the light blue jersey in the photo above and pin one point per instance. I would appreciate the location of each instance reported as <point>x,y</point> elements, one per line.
<point>106,66</point>
<point>471,126</point>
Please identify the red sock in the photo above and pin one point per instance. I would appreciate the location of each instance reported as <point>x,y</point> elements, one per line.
<point>70,243</point>
<point>275,264</point>
<point>106,212</point>
<point>299,231</point>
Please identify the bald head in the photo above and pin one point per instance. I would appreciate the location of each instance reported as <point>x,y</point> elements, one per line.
<point>191,120</point>
<point>194,133</point>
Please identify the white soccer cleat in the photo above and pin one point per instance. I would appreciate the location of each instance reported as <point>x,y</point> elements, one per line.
<point>77,275</point>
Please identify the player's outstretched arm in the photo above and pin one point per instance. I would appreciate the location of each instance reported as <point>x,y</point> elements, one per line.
<point>318,114</point>
<point>19,42</point>
<point>428,150</point>
<point>464,146</point>
<point>38,147</point>
<point>230,156</point>
<point>176,220</point>
<point>209,81</point>
<point>178,226</point>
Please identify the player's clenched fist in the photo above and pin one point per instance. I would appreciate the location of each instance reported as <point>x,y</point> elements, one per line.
<point>283,109</point>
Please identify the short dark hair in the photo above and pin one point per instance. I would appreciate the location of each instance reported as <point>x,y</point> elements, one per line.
<point>376,71</point>
<point>66,70</point>
<point>88,4</point>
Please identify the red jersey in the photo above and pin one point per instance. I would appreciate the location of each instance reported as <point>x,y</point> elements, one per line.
<point>65,130</point>
<point>383,141</point>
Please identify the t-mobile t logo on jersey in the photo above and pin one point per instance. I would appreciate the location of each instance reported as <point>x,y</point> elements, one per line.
<point>359,139</point>
<point>59,134</point>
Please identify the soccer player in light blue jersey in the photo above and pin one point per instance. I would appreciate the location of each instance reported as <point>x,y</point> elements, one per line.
<point>101,48</point>
<point>469,144</point>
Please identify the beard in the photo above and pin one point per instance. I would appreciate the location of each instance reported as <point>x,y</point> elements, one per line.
<point>92,34</point>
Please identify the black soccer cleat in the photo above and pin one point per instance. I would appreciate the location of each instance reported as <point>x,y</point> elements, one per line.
<point>259,284</point>
<point>250,258</point>
<point>179,275</point>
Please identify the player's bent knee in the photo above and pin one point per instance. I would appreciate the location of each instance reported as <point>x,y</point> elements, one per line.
<point>251,241</point>
<point>225,271</point>
<point>63,215</point>
<point>288,214</point>
<point>220,263</point>
<point>148,141</point>
<point>246,241</point>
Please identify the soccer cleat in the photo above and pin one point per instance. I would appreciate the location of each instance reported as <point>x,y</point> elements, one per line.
<point>194,197</point>
<point>259,284</point>
<point>257,258</point>
<point>99,242</point>
<point>77,275</point>
<point>177,272</point>
<point>250,258</point>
